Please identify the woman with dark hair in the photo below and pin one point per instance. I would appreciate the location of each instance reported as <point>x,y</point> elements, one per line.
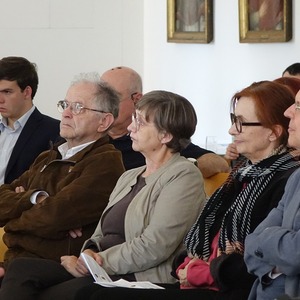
<point>212,267</point>
<point>149,212</point>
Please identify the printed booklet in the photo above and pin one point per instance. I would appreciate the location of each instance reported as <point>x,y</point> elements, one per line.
<point>101,277</point>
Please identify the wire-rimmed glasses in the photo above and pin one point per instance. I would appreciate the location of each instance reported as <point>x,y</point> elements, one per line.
<point>75,107</point>
<point>137,122</point>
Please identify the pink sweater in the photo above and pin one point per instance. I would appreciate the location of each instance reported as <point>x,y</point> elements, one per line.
<point>198,272</point>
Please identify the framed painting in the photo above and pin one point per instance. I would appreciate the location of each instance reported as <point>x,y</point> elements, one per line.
<point>190,21</point>
<point>265,21</point>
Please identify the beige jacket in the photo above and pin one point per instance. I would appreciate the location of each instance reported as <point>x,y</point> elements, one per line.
<point>156,220</point>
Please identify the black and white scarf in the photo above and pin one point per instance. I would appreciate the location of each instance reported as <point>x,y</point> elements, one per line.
<point>230,212</point>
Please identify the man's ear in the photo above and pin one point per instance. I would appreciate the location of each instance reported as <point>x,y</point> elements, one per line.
<point>106,122</point>
<point>276,133</point>
<point>137,98</point>
<point>28,92</point>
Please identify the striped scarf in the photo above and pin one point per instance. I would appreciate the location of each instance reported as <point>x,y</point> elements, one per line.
<point>229,211</point>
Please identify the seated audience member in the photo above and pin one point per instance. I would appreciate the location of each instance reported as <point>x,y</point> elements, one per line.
<point>293,84</point>
<point>24,131</point>
<point>272,250</point>
<point>129,85</point>
<point>149,212</point>
<point>213,266</point>
<point>292,71</point>
<point>66,187</point>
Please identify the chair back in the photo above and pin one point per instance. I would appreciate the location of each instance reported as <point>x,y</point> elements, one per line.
<point>213,182</point>
<point>3,247</point>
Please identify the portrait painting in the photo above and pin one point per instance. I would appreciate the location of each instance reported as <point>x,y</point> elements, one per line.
<point>263,21</point>
<point>189,21</point>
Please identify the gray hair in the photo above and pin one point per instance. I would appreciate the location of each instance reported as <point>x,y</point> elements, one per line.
<point>106,98</point>
<point>170,113</point>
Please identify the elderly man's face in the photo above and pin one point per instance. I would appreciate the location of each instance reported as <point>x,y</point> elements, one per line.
<point>293,113</point>
<point>81,128</point>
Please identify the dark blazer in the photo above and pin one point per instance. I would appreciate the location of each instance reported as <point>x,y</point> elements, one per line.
<point>35,138</point>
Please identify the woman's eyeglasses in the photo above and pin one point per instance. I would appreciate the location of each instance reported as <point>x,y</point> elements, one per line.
<point>137,121</point>
<point>239,123</point>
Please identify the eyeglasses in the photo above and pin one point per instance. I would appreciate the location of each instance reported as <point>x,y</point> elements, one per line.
<point>132,95</point>
<point>75,107</point>
<point>137,122</point>
<point>239,123</point>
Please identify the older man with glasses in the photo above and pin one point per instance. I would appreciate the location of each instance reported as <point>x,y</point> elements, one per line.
<point>67,187</point>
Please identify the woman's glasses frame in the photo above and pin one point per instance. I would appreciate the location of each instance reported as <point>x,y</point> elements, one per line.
<point>239,123</point>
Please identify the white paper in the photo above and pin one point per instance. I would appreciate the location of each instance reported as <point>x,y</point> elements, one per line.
<point>101,277</point>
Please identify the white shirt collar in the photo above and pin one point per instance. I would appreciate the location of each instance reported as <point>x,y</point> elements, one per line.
<point>67,153</point>
<point>18,123</point>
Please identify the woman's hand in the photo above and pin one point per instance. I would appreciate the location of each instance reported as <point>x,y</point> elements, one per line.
<point>182,274</point>
<point>95,256</point>
<point>74,266</point>
<point>231,152</point>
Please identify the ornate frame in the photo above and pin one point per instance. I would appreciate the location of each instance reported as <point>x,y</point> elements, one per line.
<point>176,35</point>
<point>282,34</point>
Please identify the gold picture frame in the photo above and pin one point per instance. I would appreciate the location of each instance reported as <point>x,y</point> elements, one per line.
<point>260,23</point>
<point>190,21</point>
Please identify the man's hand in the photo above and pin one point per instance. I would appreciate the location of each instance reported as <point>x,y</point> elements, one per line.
<point>74,233</point>
<point>19,189</point>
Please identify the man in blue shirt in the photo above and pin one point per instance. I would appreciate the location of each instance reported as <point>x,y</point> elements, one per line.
<point>24,131</point>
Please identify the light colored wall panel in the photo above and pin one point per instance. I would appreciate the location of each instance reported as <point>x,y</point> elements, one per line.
<point>72,14</point>
<point>209,74</point>
<point>83,36</point>
<point>24,14</point>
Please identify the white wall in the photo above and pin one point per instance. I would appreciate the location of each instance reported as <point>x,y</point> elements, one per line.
<point>209,74</point>
<point>65,37</point>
